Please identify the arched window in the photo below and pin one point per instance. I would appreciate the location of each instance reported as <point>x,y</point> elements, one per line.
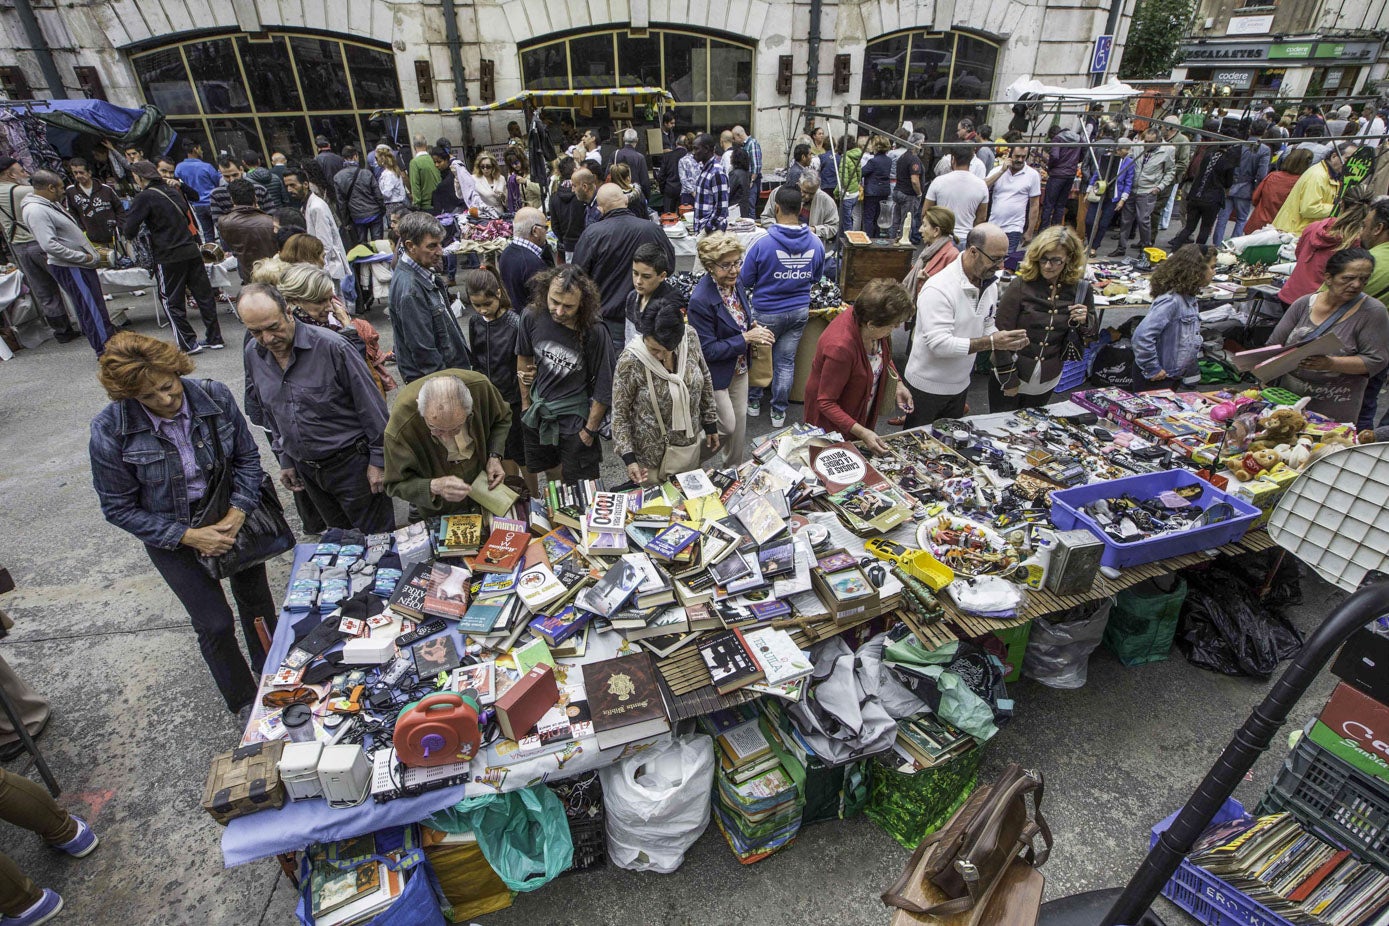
<point>711,77</point>
<point>932,79</point>
<point>273,92</point>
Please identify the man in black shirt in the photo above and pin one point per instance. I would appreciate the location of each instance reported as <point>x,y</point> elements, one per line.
<point>565,367</point>
<point>163,213</point>
<point>93,203</point>
<point>907,196</point>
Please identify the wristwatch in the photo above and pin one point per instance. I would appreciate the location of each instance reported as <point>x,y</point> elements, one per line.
<point>493,455</point>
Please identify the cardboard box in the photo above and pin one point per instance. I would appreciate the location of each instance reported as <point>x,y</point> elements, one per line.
<point>1364,663</point>
<point>1262,494</point>
<point>1355,728</point>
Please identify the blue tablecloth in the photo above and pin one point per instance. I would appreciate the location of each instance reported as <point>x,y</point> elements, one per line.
<point>300,824</point>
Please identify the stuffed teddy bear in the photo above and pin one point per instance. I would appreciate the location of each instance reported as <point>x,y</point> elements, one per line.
<point>1280,426</point>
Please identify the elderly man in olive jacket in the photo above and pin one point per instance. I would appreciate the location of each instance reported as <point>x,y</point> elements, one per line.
<point>444,430</point>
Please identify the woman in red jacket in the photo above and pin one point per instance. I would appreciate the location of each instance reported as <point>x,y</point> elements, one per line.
<point>852,362</point>
<point>1271,193</point>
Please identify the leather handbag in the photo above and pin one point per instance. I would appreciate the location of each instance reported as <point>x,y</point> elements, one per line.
<point>957,868</point>
<point>265,534</point>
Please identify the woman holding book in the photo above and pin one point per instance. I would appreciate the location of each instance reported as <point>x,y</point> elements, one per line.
<point>663,398</point>
<point>852,370</point>
<point>157,451</point>
<point>1336,382</point>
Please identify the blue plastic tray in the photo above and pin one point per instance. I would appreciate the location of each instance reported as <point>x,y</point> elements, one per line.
<point>1208,898</point>
<point>1066,515</point>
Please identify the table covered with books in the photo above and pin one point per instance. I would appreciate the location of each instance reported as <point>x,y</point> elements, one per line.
<point>557,640</point>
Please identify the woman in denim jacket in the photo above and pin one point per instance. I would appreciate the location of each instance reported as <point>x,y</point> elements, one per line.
<point>1167,342</point>
<point>152,462</point>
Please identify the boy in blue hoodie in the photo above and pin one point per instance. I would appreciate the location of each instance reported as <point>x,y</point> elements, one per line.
<point>779,269</point>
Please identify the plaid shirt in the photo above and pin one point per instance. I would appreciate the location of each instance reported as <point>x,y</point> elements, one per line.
<point>711,198</point>
<point>754,149</point>
<point>689,174</point>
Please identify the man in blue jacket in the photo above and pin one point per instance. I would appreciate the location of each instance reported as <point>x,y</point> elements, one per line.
<point>201,178</point>
<point>780,268</point>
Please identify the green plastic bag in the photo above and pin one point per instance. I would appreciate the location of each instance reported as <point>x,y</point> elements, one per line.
<point>524,835</point>
<point>1144,620</point>
<point>911,806</point>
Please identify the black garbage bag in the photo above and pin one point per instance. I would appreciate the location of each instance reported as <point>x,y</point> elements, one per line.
<point>1225,628</point>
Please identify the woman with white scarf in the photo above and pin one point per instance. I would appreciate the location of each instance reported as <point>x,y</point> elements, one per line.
<point>663,398</point>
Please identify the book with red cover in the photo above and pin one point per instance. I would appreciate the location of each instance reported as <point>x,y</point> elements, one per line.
<point>502,551</point>
<point>1305,889</point>
<point>624,699</point>
<point>448,592</point>
<point>526,701</point>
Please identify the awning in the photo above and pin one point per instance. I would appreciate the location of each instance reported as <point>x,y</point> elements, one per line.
<point>1114,90</point>
<point>641,96</point>
<point>66,119</point>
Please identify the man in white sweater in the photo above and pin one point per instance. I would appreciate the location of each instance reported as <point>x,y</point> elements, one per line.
<point>954,321</point>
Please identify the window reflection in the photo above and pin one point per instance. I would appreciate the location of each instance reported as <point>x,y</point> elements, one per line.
<point>924,66</point>
<point>217,77</point>
<point>267,71</point>
<point>165,81</point>
<point>321,74</point>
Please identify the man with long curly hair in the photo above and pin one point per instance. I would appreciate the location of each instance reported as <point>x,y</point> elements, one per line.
<point>565,366</point>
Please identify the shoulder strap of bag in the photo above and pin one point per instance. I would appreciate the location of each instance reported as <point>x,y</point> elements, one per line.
<point>216,443</point>
<point>1332,319</point>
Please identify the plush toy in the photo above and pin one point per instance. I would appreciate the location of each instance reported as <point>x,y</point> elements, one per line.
<point>1280,426</point>
<point>1329,444</point>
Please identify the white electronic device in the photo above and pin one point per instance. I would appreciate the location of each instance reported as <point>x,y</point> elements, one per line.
<point>344,773</point>
<point>299,770</point>
<point>369,651</point>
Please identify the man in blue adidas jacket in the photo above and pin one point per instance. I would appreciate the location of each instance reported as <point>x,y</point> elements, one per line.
<point>779,269</point>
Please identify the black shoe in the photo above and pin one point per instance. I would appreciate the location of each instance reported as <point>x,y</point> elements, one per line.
<point>66,337</point>
<point>1117,252</point>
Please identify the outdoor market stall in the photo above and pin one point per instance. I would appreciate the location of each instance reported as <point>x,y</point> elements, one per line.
<point>723,597</point>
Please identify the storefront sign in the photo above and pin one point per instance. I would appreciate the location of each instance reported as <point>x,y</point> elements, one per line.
<point>1249,25</point>
<point>1235,80</point>
<point>1200,53</point>
<point>1226,51</point>
<point>1290,50</point>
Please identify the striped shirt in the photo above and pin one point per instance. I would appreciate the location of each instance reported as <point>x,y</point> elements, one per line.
<point>711,198</point>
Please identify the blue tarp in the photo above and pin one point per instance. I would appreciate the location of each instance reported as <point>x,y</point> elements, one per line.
<point>67,119</point>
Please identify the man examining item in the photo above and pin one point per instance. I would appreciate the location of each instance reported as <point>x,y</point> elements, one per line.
<point>521,259</point>
<point>95,205</point>
<point>954,321</point>
<point>961,192</point>
<point>564,365</point>
<point>605,250</point>
<point>427,337</point>
<point>71,258</point>
<point>711,187</point>
<point>1314,194</point>
<point>818,209</point>
<point>780,267</point>
<point>327,419</point>
<point>246,232</point>
<point>164,214</point>
<point>444,429</point>
<point>26,252</point>
<point>1016,191</point>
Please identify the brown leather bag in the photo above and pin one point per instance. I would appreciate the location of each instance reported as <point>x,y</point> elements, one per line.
<point>965,859</point>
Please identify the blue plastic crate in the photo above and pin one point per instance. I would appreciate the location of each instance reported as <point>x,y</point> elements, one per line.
<point>1066,515</point>
<point>1208,898</point>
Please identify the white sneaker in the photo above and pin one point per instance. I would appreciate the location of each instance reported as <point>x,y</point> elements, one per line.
<point>755,409</point>
<point>778,419</point>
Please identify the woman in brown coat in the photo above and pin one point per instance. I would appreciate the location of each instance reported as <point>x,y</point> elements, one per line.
<point>1051,302</point>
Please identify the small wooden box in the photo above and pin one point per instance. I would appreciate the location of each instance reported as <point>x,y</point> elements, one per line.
<point>244,781</point>
<point>865,262</point>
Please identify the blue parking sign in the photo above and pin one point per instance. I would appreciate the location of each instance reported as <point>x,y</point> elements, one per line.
<point>1099,61</point>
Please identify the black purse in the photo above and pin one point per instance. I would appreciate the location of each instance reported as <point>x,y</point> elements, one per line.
<point>1073,350</point>
<point>265,534</point>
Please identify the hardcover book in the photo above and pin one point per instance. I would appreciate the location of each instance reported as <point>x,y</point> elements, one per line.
<point>502,552</point>
<point>729,661</point>
<point>460,534</point>
<point>448,592</point>
<point>624,699</point>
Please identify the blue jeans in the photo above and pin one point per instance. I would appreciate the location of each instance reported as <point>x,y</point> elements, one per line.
<point>1237,207</point>
<point>1014,241</point>
<point>787,326</point>
<point>846,212</point>
<point>906,205</point>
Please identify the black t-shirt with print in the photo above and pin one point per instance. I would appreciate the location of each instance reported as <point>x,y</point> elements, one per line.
<point>563,366</point>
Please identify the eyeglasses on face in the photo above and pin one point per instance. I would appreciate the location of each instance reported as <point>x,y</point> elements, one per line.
<point>993,261</point>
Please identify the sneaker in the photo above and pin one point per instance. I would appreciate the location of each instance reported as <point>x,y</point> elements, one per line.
<point>43,910</point>
<point>212,345</point>
<point>197,348</point>
<point>83,843</point>
<point>754,408</point>
<point>778,419</point>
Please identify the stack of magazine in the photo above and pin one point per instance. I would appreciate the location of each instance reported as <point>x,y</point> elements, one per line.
<point>1304,879</point>
<point>757,806</point>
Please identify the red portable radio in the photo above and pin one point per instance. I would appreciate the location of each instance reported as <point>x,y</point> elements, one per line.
<point>438,730</point>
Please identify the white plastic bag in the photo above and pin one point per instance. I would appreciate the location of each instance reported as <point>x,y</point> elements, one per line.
<point>657,803</point>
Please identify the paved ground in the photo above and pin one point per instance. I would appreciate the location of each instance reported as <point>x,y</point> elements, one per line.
<point>136,721</point>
